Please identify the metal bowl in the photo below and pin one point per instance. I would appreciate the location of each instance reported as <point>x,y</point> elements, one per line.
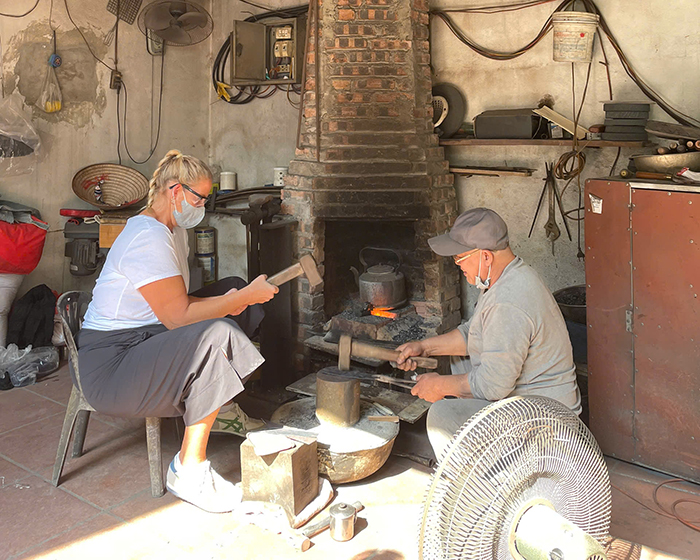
<point>668,163</point>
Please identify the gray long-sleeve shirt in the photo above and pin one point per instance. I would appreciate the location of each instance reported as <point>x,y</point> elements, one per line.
<point>518,343</point>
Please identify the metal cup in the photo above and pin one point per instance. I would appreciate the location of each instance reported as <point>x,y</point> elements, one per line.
<point>342,522</point>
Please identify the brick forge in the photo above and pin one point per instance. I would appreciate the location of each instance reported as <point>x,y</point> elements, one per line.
<point>368,169</point>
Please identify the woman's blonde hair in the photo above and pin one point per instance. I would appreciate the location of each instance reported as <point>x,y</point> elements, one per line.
<point>178,167</point>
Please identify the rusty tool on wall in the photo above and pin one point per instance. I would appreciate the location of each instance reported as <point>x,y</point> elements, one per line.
<point>347,348</point>
<point>554,201</point>
<point>551,228</point>
<point>305,267</point>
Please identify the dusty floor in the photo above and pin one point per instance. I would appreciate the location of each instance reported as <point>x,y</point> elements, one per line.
<point>103,507</point>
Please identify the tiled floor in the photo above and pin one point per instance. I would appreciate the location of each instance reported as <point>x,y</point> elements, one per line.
<point>103,507</point>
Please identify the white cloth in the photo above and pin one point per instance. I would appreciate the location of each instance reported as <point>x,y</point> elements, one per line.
<point>144,252</point>
<point>9,284</point>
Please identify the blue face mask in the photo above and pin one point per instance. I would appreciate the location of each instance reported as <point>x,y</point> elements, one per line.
<point>190,215</point>
<point>482,284</point>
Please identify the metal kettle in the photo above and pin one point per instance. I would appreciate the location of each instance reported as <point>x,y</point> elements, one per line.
<point>381,285</point>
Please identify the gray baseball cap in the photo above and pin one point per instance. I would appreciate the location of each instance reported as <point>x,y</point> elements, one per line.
<point>478,228</point>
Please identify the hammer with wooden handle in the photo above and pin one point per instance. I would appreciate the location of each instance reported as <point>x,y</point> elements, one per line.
<point>347,347</point>
<point>322,525</point>
<point>300,539</point>
<point>305,267</point>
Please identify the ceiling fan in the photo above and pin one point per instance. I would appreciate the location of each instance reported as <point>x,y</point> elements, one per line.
<point>178,24</point>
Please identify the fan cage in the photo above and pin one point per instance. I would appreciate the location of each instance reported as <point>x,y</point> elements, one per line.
<point>440,110</point>
<point>512,452</point>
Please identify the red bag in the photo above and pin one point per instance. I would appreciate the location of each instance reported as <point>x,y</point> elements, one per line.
<point>21,246</point>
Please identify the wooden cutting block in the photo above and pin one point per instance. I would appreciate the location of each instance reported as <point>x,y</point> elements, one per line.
<point>288,478</point>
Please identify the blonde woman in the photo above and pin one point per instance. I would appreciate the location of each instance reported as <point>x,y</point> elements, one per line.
<point>147,348</point>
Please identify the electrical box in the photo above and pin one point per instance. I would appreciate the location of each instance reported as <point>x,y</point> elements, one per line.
<point>267,53</point>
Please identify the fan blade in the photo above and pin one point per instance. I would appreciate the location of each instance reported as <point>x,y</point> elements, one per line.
<point>158,17</point>
<point>174,34</point>
<point>178,8</point>
<point>190,20</point>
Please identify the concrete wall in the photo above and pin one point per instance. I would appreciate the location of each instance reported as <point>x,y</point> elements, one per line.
<point>248,139</point>
<point>85,131</point>
<point>661,39</point>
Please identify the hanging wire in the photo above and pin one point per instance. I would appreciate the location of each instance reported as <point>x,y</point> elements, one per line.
<point>290,89</point>
<point>500,7</point>
<point>160,107</point>
<point>51,27</point>
<point>673,514</point>
<point>70,17</point>
<point>29,11</point>
<point>590,6</point>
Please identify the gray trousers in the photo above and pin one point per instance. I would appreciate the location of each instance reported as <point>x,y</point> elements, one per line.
<point>447,416</point>
<point>151,371</point>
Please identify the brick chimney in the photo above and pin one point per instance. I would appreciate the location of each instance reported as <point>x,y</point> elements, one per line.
<point>368,168</point>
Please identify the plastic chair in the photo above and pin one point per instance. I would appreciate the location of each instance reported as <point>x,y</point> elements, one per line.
<point>71,308</point>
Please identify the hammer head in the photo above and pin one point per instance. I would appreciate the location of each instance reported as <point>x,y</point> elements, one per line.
<point>308,265</point>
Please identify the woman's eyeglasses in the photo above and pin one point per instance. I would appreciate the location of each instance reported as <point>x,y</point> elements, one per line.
<point>201,200</point>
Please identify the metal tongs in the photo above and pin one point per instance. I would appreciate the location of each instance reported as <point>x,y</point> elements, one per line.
<point>554,200</point>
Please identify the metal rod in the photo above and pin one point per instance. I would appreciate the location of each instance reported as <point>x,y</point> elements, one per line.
<point>539,205</point>
<point>303,74</point>
<point>317,53</point>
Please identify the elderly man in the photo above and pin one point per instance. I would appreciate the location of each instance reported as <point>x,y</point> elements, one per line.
<point>516,342</point>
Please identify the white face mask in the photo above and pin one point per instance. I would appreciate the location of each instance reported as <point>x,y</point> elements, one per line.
<point>482,284</point>
<point>190,215</point>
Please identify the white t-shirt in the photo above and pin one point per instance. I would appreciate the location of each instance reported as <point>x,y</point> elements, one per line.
<point>144,252</point>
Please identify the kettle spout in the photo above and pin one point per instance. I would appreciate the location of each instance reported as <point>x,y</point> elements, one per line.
<point>356,274</point>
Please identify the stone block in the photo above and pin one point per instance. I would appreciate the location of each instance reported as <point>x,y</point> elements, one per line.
<point>288,478</point>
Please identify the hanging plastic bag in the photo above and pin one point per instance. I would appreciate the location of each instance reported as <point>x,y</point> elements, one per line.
<point>50,99</point>
<point>19,141</point>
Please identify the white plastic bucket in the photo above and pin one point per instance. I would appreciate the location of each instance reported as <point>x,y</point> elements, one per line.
<point>574,33</point>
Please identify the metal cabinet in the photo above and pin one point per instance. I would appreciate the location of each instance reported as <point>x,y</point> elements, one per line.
<point>643,314</point>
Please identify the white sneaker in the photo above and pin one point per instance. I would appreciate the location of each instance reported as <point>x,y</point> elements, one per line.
<point>235,421</point>
<point>202,486</point>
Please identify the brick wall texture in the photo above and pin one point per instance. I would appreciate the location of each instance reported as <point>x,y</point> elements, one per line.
<point>366,148</point>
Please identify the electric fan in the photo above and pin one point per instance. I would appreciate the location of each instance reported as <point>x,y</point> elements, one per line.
<point>176,23</point>
<point>522,479</point>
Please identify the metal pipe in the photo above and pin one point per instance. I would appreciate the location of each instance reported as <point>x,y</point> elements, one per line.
<point>317,53</point>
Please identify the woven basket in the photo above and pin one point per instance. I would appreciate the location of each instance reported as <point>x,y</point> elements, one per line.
<point>121,186</point>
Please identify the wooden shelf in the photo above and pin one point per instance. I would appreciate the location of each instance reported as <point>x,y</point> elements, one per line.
<point>539,142</point>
